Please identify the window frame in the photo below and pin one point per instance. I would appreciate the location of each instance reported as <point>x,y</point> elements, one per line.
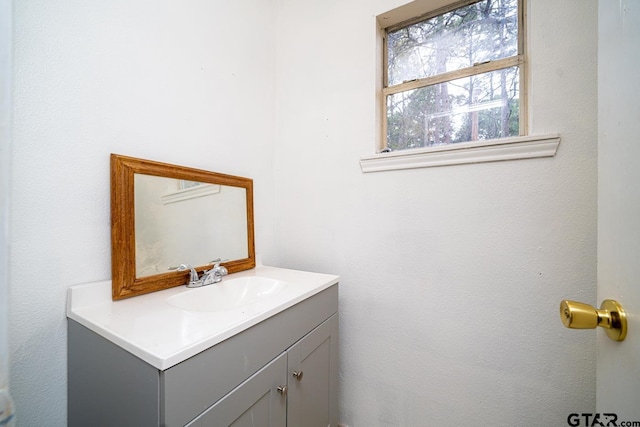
<point>405,16</point>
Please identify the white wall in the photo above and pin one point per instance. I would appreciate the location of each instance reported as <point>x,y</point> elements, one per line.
<point>5,165</point>
<point>190,83</point>
<point>451,276</point>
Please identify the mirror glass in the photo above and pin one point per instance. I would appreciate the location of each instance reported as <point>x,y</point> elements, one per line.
<point>166,210</point>
<point>165,215</point>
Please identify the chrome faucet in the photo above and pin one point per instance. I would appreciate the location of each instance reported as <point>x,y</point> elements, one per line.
<point>208,277</point>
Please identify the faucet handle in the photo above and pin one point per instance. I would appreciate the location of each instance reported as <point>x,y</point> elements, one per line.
<point>221,269</point>
<point>214,275</point>
<point>216,262</point>
<point>194,279</point>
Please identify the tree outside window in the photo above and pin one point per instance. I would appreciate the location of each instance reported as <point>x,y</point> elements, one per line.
<point>454,77</point>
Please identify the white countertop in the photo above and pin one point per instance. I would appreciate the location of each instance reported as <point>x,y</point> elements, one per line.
<point>162,335</point>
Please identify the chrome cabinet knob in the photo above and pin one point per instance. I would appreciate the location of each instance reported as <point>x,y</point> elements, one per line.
<point>282,389</point>
<point>298,375</point>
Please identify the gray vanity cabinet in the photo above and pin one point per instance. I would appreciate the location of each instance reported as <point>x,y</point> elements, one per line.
<point>237,382</point>
<point>294,390</point>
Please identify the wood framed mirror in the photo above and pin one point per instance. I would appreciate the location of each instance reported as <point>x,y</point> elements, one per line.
<point>164,215</point>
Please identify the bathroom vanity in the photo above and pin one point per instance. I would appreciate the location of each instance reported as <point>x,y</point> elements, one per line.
<point>257,349</point>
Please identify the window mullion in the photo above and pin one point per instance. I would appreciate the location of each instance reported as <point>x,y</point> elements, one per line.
<point>454,75</point>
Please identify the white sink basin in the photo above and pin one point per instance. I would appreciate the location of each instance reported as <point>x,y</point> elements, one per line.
<point>228,294</point>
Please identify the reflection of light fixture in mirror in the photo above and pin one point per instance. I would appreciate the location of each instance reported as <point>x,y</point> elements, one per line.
<point>165,214</point>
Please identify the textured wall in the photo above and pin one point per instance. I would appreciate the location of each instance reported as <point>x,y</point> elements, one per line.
<point>451,276</point>
<point>190,83</point>
<point>5,164</point>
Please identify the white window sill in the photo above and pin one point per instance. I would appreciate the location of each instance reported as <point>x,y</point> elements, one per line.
<point>190,193</point>
<point>494,150</point>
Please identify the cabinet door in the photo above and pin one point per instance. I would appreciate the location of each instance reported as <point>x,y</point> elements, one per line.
<point>254,403</point>
<point>312,363</point>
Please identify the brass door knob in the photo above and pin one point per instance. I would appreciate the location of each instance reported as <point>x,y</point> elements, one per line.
<point>611,316</point>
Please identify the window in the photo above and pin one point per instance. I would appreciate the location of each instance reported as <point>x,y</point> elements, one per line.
<point>451,87</point>
<point>454,76</point>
